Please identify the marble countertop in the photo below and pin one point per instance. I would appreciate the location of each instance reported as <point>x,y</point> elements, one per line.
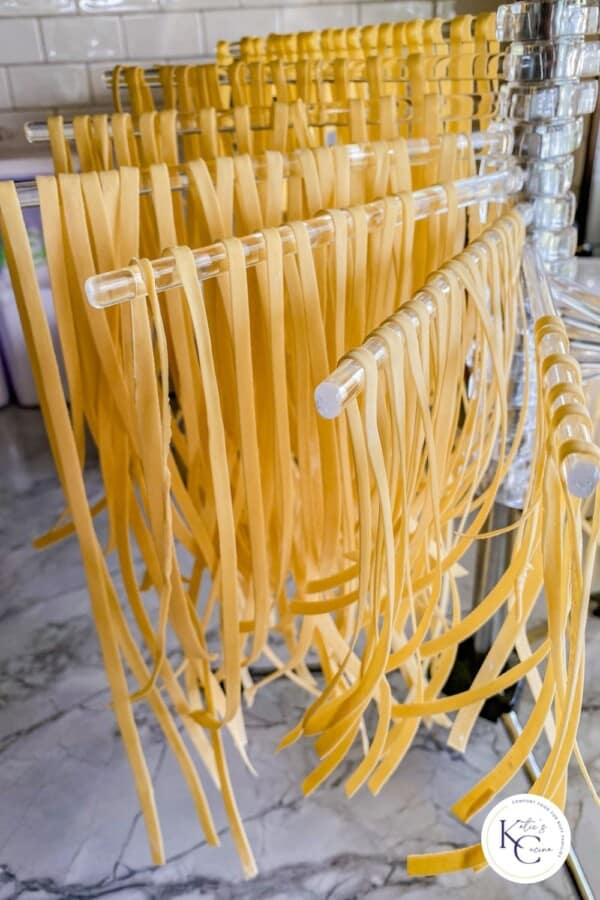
<point>69,821</point>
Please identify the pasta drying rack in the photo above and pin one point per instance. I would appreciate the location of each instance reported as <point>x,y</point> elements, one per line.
<point>548,56</point>
<point>541,103</point>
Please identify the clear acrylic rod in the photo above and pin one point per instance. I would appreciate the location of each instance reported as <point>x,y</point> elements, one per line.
<point>152,80</point>
<point>497,140</point>
<point>126,284</point>
<point>495,145</point>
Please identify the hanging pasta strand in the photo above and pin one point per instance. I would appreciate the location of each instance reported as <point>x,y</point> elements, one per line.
<point>410,594</point>
<point>558,695</point>
<point>270,502</point>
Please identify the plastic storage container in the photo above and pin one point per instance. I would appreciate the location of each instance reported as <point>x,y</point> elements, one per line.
<point>12,340</point>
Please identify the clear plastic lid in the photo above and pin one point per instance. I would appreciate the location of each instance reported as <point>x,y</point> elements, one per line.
<point>531,102</point>
<point>555,245</point>
<point>554,212</point>
<point>552,177</point>
<point>547,140</point>
<point>550,60</point>
<point>545,21</point>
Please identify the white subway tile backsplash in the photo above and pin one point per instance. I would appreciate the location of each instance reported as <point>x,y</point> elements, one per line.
<point>189,60</point>
<point>49,85</point>
<point>196,4</point>
<point>374,13</point>
<point>53,53</point>
<point>5,101</point>
<point>79,38</point>
<point>280,3</point>
<point>163,35</point>
<point>36,7</point>
<point>309,18</point>
<point>100,92</point>
<point>20,41</point>
<point>230,25</point>
<point>110,6</point>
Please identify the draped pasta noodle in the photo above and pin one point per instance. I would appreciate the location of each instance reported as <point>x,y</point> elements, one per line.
<point>201,407</point>
<point>321,67</point>
<point>424,389</point>
<point>103,142</point>
<point>116,642</point>
<point>407,427</point>
<point>385,39</point>
<point>212,204</point>
<point>567,583</point>
<point>250,499</point>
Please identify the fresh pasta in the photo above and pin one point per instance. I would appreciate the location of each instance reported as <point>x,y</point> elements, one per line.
<point>251,497</point>
<point>246,528</point>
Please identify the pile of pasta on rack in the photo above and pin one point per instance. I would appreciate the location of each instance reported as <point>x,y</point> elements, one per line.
<point>289,298</point>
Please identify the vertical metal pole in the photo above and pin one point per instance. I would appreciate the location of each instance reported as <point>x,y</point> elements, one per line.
<point>493,556</point>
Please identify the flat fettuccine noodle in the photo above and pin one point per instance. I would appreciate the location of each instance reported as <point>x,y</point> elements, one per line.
<point>221,453</point>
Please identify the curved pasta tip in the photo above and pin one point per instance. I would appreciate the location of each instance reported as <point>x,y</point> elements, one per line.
<point>250,697</point>
<point>250,870</point>
<point>287,741</point>
<point>143,692</point>
<point>158,857</point>
<point>375,784</point>
<point>350,789</point>
<point>308,787</point>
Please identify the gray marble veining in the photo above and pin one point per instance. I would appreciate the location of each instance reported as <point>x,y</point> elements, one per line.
<point>69,821</point>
